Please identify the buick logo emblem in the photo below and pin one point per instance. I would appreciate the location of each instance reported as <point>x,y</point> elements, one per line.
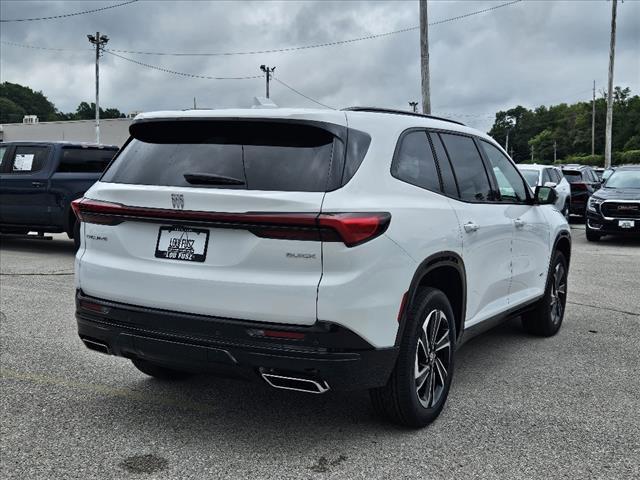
<point>177,200</point>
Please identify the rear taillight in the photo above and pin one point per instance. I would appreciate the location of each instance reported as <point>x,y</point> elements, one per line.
<point>350,228</point>
<point>579,186</point>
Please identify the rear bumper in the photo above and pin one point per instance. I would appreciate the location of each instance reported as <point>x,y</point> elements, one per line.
<point>596,223</point>
<point>323,352</point>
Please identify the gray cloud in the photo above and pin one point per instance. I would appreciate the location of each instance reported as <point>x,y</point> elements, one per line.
<point>532,53</point>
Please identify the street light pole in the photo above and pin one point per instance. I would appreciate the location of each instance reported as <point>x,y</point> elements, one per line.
<point>612,54</point>
<point>414,106</point>
<point>99,41</point>
<point>268,71</point>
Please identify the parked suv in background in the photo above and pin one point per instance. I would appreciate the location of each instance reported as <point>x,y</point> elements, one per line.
<point>615,208</point>
<point>314,249</point>
<point>38,181</point>
<point>549,176</point>
<point>584,182</point>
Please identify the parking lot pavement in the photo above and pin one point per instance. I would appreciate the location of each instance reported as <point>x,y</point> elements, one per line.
<point>519,407</point>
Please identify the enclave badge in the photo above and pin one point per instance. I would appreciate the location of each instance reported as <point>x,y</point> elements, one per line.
<point>177,200</point>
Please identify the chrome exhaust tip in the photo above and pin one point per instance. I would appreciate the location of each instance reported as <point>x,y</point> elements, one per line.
<point>96,345</point>
<point>297,384</point>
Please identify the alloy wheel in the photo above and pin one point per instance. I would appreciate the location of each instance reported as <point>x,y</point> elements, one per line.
<point>433,358</point>
<point>558,293</point>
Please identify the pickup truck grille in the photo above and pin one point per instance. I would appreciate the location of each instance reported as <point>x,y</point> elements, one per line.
<point>613,209</point>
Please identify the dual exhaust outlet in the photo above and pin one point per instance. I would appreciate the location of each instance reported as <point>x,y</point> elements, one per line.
<point>297,384</point>
<point>283,382</point>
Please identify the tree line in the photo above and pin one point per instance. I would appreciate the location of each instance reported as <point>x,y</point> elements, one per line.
<point>535,134</point>
<point>16,101</point>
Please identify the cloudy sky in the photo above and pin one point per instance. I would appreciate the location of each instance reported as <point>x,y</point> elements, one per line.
<point>529,53</point>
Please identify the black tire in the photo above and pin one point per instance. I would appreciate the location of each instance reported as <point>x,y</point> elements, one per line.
<point>402,399</point>
<point>546,318</point>
<point>591,235</point>
<point>76,234</point>
<point>157,371</point>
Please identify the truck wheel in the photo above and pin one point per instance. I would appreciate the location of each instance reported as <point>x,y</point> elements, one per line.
<point>157,371</point>
<point>546,318</point>
<point>591,235</point>
<point>418,387</point>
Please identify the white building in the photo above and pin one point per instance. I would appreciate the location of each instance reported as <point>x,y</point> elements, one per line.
<point>113,131</point>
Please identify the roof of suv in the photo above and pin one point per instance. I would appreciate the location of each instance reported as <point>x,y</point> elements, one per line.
<point>394,118</point>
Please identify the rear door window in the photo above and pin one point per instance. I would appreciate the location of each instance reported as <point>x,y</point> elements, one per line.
<point>470,173</point>
<point>85,160</point>
<point>545,176</point>
<point>512,187</point>
<point>28,159</point>
<point>245,155</point>
<point>414,162</point>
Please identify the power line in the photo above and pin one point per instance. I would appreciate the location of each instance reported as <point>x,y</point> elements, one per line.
<point>183,74</point>
<point>274,50</point>
<point>301,94</point>
<point>303,47</point>
<point>66,15</point>
<point>37,47</point>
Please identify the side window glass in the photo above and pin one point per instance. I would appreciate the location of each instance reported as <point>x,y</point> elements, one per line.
<point>414,162</point>
<point>27,159</point>
<point>469,170</point>
<point>510,183</point>
<point>85,160</point>
<point>448,180</point>
<point>545,176</point>
<point>4,162</point>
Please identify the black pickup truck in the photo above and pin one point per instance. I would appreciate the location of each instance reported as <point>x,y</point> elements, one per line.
<point>38,181</point>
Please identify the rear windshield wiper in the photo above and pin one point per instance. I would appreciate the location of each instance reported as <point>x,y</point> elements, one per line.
<point>211,179</point>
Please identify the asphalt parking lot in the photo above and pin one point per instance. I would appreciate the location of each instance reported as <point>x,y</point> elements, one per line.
<point>520,407</point>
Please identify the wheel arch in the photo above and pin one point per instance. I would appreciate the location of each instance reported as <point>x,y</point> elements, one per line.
<point>445,271</point>
<point>562,244</point>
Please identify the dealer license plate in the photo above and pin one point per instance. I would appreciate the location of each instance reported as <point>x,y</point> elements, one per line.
<point>626,223</point>
<point>181,243</point>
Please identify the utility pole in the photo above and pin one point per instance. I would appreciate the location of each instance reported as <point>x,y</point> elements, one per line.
<point>612,54</point>
<point>424,57</point>
<point>555,156</point>
<point>414,106</point>
<point>593,121</point>
<point>194,103</point>
<point>99,41</point>
<point>268,72</point>
<point>531,153</point>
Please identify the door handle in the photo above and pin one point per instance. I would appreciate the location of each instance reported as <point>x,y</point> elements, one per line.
<point>37,184</point>
<point>519,223</point>
<point>471,227</point>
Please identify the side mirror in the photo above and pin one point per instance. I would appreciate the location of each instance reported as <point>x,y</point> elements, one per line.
<point>551,184</point>
<point>545,195</point>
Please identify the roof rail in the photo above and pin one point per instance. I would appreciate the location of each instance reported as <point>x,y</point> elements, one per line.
<point>399,112</point>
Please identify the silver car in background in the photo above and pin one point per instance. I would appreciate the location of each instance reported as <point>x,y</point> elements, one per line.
<point>549,176</point>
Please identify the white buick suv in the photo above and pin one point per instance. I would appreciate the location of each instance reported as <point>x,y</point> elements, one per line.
<point>315,250</point>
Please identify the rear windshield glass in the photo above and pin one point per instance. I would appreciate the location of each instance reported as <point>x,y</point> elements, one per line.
<point>531,176</point>
<point>85,160</point>
<point>246,155</point>
<point>572,176</point>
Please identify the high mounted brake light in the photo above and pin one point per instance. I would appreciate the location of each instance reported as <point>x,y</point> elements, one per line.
<point>350,228</point>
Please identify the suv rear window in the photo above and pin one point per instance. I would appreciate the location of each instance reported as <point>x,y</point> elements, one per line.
<point>253,155</point>
<point>85,160</point>
<point>572,176</point>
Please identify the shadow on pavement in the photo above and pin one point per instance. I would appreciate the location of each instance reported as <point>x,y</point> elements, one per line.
<point>32,244</point>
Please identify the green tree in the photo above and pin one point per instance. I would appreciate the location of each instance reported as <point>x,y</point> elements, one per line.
<point>22,99</point>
